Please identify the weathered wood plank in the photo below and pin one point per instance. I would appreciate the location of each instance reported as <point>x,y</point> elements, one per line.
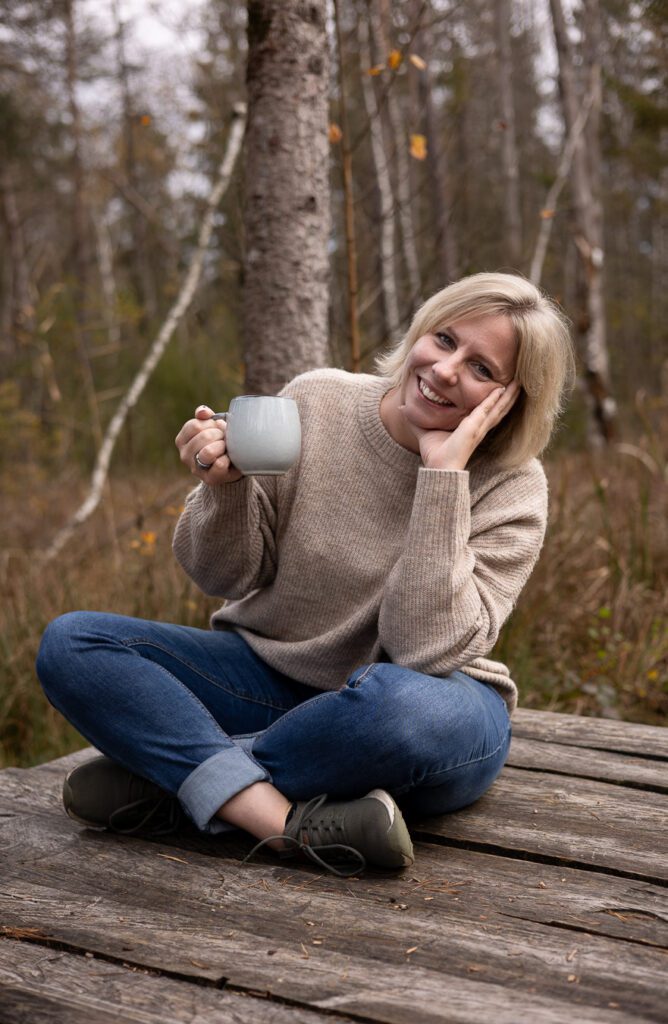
<point>122,898</point>
<point>575,820</point>
<point>45,973</point>
<point>343,973</point>
<point>529,812</point>
<point>49,849</point>
<point>622,769</point>
<point>40,985</point>
<point>595,733</point>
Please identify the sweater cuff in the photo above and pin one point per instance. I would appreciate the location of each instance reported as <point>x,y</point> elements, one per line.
<point>227,498</point>
<point>441,509</point>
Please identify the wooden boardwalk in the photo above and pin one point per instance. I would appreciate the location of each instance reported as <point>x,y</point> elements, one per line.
<point>544,902</point>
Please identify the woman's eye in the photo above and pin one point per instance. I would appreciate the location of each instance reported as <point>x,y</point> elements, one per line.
<point>481,369</point>
<point>445,339</point>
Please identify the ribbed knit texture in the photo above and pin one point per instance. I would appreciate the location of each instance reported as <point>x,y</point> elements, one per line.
<point>359,554</point>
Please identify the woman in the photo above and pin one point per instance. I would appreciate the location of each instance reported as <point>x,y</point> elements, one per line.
<point>346,679</point>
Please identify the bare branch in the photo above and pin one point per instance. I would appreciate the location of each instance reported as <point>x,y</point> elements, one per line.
<point>158,347</point>
<point>549,206</point>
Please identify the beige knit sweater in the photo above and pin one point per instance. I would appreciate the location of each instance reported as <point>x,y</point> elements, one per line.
<point>359,554</point>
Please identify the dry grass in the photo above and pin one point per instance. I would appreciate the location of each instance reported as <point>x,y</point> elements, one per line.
<point>589,634</point>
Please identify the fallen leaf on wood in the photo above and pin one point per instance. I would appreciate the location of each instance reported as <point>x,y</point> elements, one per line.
<point>571,955</point>
<point>412,949</point>
<point>168,856</point>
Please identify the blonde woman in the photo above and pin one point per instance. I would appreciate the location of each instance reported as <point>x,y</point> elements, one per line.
<point>345,681</point>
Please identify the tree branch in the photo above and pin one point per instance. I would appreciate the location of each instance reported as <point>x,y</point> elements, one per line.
<point>554,192</point>
<point>158,347</point>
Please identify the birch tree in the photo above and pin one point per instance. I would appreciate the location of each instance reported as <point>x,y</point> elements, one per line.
<point>381,166</point>
<point>380,23</point>
<point>509,155</point>
<point>286,215</point>
<point>588,226</point>
<point>438,161</point>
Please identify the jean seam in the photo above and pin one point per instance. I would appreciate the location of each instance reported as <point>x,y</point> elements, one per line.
<point>281,720</point>
<point>203,675</point>
<point>367,672</point>
<point>471,761</point>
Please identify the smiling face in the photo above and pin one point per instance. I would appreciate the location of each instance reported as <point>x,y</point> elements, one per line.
<point>448,373</point>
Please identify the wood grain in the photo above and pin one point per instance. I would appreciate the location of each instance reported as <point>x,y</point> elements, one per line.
<point>621,769</point>
<point>544,901</point>
<point>577,821</point>
<point>593,733</point>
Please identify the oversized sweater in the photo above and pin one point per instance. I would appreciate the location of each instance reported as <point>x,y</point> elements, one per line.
<point>360,554</point>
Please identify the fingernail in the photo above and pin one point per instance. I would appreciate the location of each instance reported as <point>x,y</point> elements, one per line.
<point>200,407</point>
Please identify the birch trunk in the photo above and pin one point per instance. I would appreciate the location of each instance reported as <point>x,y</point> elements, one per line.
<point>509,157</point>
<point>141,272</point>
<point>437,163</point>
<point>380,22</point>
<point>286,216</point>
<point>380,160</point>
<point>589,233</point>
<point>21,314</point>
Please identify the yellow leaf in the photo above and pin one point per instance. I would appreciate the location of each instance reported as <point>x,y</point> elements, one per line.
<point>376,69</point>
<point>394,59</point>
<point>145,120</point>
<point>149,537</point>
<point>335,133</point>
<point>546,214</point>
<point>418,147</point>
<point>418,62</point>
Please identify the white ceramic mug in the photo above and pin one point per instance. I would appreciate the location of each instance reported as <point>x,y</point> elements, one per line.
<point>263,434</point>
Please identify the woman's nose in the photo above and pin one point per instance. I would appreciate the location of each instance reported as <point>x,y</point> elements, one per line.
<point>446,369</point>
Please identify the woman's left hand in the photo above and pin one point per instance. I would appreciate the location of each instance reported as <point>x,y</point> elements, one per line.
<point>443,449</point>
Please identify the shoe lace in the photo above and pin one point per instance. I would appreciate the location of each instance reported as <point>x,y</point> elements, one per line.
<point>311,832</point>
<point>158,817</point>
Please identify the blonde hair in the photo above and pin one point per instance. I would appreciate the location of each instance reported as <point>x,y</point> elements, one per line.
<point>545,362</point>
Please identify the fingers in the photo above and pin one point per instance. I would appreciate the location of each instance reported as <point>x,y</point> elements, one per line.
<point>497,404</point>
<point>205,438</point>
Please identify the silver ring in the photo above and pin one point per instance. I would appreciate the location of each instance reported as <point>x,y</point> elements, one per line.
<point>202,465</point>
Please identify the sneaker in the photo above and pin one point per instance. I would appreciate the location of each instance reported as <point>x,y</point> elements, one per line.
<point>101,794</point>
<point>370,829</point>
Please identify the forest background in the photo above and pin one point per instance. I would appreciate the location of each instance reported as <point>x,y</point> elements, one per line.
<point>452,147</point>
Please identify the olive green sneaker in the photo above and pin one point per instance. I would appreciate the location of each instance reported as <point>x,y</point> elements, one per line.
<point>369,830</point>
<point>101,794</point>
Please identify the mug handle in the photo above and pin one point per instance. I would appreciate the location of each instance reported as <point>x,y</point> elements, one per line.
<point>220,416</point>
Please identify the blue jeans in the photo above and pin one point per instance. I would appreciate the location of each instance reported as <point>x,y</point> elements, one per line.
<point>198,713</point>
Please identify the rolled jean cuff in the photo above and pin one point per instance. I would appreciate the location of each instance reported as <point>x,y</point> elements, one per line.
<point>214,782</point>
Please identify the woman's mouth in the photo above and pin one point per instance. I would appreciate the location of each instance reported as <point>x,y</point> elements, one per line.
<point>431,396</point>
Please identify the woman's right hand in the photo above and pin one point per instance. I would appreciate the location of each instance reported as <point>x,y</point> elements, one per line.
<point>205,437</point>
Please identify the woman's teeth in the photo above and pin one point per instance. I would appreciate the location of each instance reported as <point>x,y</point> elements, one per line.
<point>428,393</point>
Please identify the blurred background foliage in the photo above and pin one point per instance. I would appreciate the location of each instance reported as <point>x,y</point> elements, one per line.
<point>107,148</point>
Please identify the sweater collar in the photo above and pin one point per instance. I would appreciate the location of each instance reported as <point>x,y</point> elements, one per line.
<point>395,455</point>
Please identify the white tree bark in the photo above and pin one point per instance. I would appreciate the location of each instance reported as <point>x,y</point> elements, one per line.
<point>387,246</point>
<point>105,262</point>
<point>589,233</point>
<point>509,157</point>
<point>404,203</point>
<point>551,199</point>
<point>184,298</point>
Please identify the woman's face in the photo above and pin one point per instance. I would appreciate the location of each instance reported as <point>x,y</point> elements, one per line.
<point>448,373</point>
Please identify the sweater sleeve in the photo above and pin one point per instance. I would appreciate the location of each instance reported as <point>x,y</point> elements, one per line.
<point>462,569</point>
<point>225,537</point>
